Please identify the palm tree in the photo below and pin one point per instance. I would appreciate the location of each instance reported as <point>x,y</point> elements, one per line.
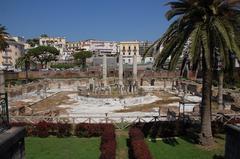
<point>205,26</point>
<point>3,35</point>
<point>220,90</point>
<point>25,62</point>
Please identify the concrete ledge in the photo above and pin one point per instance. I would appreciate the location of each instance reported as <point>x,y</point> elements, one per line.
<point>232,145</point>
<point>12,143</point>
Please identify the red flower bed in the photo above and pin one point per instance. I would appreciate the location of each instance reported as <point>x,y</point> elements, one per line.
<point>108,143</point>
<point>138,148</point>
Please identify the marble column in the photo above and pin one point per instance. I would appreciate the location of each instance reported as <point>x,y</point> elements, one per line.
<point>2,82</point>
<point>120,70</point>
<point>135,68</point>
<point>104,70</point>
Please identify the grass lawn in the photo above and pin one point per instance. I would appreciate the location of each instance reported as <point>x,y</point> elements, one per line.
<point>62,148</point>
<point>181,149</point>
<point>122,149</point>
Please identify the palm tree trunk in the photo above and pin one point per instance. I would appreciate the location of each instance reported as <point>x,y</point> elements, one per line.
<point>206,137</point>
<point>220,91</point>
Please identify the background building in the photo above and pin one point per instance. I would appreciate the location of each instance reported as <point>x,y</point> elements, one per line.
<point>9,57</point>
<point>103,47</point>
<point>73,46</point>
<point>58,43</point>
<point>128,49</point>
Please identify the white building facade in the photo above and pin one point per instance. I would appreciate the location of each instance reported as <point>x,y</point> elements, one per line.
<point>98,47</point>
<point>103,47</point>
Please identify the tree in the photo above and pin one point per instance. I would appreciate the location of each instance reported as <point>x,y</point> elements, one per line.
<point>24,62</point>
<point>204,25</point>
<point>44,54</point>
<point>3,40</point>
<point>81,57</point>
<point>220,90</point>
<point>44,36</point>
<point>33,42</point>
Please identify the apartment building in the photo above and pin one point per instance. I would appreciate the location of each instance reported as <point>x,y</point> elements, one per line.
<point>9,57</point>
<point>100,47</point>
<point>58,43</point>
<point>128,49</point>
<point>73,46</point>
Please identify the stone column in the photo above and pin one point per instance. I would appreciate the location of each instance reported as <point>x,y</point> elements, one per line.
<point>105,70</point>
<point>135,68</point>
<point>2,82</point>
<point>120,70</point>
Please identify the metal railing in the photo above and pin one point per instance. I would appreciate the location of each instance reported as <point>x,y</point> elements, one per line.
<point>4,116</point>
<point>120,122</point>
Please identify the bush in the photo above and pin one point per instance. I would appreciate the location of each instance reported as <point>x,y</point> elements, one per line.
<point>63,130</point>
<point>42,129</point>
<point>108,143</point>
<point>90,130</point>
<point>136,134</point>
<point>162,129</point>
<point>138,148</point>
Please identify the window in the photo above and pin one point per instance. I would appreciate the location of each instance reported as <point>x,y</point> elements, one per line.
<point>129,48</point>
<point>129,60</point>
<point>124,53</point>
<point>134,53</point>
<point>129,53</point>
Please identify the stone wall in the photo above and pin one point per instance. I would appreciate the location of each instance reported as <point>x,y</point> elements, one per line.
<point>232,145</point>
<point>90,73</point>
<point>46,84</point>
<point>12,143</point>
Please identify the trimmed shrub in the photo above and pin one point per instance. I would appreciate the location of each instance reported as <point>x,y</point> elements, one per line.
<point>42,129</point>
<point>138,148</point>
<point>136,134</point>
<point>108,143</point>
<point>64,130</point>
<point>90,130</point>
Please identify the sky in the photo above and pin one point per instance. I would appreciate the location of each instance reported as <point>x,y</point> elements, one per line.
<point>116,20</point>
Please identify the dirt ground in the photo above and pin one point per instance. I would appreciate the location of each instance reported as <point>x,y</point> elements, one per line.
<point>52,102</point>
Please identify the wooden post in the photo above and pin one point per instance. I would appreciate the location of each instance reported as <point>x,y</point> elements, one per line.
<point>106,118</point>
